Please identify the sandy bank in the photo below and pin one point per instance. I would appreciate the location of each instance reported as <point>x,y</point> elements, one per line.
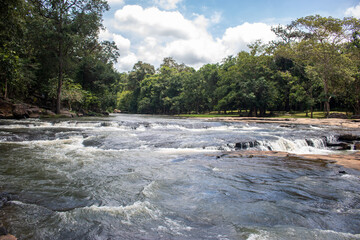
<point>346,123</point>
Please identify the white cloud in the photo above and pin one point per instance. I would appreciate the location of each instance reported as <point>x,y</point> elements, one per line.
<point>122,43</point>
<point>153,22</point>
<point>237,38</point>
<point>117,2</point>
<point>353,11</point>
<point>167,4</point>
<point>126,63</point>
<point>150,35</point>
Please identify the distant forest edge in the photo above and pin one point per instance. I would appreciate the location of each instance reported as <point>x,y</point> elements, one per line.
<point>51,56</point>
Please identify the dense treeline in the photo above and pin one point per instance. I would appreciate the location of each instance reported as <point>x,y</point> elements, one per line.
<point>314,65</point>
<point>51,56</point>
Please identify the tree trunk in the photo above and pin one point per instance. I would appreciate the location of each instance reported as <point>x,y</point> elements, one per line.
<point>60,82</point>
<point>60,55</point>
<point>327,99</point>
<point>6,88</point>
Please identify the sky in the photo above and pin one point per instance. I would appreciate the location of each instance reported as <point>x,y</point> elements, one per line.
<point>198,32</point>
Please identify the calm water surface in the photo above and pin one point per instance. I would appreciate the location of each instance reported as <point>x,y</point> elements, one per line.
<point>144,177</point>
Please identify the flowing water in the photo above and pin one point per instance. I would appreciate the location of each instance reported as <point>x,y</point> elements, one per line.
<point>145,177</point>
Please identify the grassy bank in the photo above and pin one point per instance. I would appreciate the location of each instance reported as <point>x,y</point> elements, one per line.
<point>244,114</point>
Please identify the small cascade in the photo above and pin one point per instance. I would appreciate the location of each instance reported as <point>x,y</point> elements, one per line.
<point>301,146</point>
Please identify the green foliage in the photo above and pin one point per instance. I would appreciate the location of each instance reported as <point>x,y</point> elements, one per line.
<point>315,62</point>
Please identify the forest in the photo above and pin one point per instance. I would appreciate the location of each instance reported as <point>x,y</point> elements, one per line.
<point>51,56</point>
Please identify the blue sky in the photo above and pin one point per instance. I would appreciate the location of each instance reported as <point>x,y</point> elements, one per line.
<point>196,32</point>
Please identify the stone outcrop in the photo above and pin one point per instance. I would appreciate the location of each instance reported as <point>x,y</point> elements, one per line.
<point>338,115</point>
<point>21,110</point>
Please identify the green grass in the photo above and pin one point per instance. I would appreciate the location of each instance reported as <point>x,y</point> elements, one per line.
<point>207,115</point>
<point>277,115</point>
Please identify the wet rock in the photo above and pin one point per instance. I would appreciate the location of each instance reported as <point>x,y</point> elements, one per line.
<point>3,230</point>
<point>5,109</point>
<point>4,198</point>
<point>66,114</point>
<point>20,111</point>
<point>339,146</point>
<point>348,138</point>
<point>355,117</point>
<point>342,172</point>
<point>288,125</point>
<point>246,145</point>
<point>337,115</point>
<point>357,146</point>
<point>310,143</point>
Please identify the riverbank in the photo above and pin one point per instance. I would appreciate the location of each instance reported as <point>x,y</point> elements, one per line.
<point>9,109</point>
<point>345,123</point>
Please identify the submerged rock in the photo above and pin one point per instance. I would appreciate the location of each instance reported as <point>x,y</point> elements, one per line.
<point>4,198</point>
<point>339,146</point>
<point>3,230</point>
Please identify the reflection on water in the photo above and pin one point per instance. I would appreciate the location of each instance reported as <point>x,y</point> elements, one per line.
<point>141,177</point>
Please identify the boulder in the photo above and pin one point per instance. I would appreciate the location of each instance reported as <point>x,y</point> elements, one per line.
<point>339,146</point>
<point>5,109</point>
<point>3,230</point>
<point>66,114</point>
<point>20,111</point>
<point>246,145</point>
<point>337,115</point>
<point>357,146</point>
<point>117,111</point>
<point>355,117</point>
<point>348,138</point>
<point>4,198</point>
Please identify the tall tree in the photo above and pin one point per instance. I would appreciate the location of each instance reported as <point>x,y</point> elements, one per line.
<point>67,23</point>
<point>316,42</point>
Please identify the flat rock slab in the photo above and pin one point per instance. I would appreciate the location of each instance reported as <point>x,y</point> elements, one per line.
<point>347,160</point>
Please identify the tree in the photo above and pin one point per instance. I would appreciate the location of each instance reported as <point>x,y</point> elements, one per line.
<point>317,42</point>
<point>67,23</point>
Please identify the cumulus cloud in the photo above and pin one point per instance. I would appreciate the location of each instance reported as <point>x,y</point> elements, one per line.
<point>153,22</point>
<point>117,2</point>
<point>353,11</point>
<point>237,38</point>
<point>167,4</point>
<point>122,43</point>
<point>151,34</point>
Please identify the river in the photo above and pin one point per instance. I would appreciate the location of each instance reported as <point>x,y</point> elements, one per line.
<point>152,177</point>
